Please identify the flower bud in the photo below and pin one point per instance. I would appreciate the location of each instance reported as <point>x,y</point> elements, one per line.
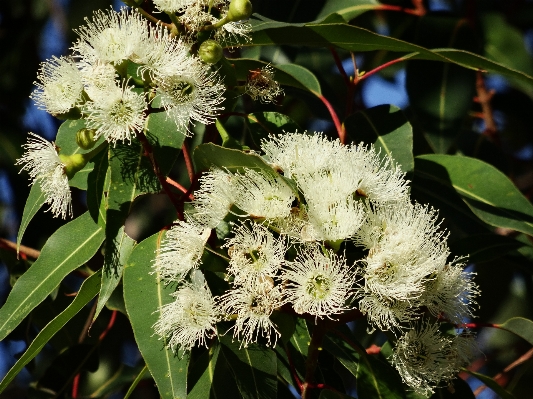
<point>73,163</point>
<point>85,138</point>
<point>239,9</point>
<point>210,52</point>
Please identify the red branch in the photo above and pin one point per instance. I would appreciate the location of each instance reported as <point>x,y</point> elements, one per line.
<point>188,161</point>
<point>381,67</point>
<point>180,187</point>
<point>340,128</point>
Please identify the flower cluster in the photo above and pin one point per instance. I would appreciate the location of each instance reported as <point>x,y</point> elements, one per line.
<point>290,230</point>
<point>119,62</point>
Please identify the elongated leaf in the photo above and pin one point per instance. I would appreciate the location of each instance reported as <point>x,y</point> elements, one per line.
<point>208,155</point>
<point>123,245</point>
<point>498,203</point>
<point>68,248</point>
<point>87,291</point>
<point>348,9</point>
<point>144,295</point>
<point>357,39</point>
<point>519,326</point>
<point>484,247</point>
<point>304,76</point>
<point>505,44</point>
<point>343,352</point>
<point>96,185</point>
<point>263,124</point>
<point>497,388</point>
<point>34,202</point>
<point>440,94</point>
<point>165,138</point>
<point>387,127</point>
<point>377,379</point>
<point>254,368</point>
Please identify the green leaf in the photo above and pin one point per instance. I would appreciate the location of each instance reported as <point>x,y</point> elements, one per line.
<point>387,127</point>
<point>348,9</point>
<point>519,326</point>
<point>356,39</point>
<point>497,388</point>
<point>34,202</point>
<point>287,74</point>
<point>254,368</point>
<point>499,203</point>
<point>166,140</point>
<point>112,273</point>
<point>144,295</point>
<point>440,94</point>
<point>505,44</point>
<point>343,352</point>
<point>377,379</point>
<point>86,293</point>
<point>263,124</point>
<point>68,248</point>
<point>304,76</point>
<point>227,140</point>
<point>207,155</point>
<point>203,384</point>
<point>96,186</point>
<point>484,247</point>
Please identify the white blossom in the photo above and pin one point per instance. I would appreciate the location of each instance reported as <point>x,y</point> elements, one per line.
<point>427,358</point>
<point>113,37</point>
<point>190,319</point>
<point>117,113</point>
<point>60,86</point>
<point>192,92</point>
<point>253,304</point>
<point>254,253</point>
<point>213,200</point>
<point>181,250</point>
<point>42,162</point>
<point>173,5</point>
<point>451,293</point>
<point>319,284</point>
<point>262,195</point>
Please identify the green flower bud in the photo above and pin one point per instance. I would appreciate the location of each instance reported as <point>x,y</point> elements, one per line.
<point>210,52</point>
<point>85,138</point>
<point>73,163</point>
<point>238,10</point>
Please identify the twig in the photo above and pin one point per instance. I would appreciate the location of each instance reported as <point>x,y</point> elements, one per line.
<point>10,245</point>
<point>500,376</point>
<point>419,11</point>
<point>484,97</point>
<point>180,187</point>
<point>188,160</point>
<point>153,19</point>
<point>293,369</point>
<point>315,346</point>
<point>381,67</point>
<point>338,62</point>
<point>340,128</point>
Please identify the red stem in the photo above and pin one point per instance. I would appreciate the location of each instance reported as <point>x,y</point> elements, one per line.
<point>381,67</point>
<point>109,325</point>
<point>180,187</point>
<point>75,385</point>
<point>293,369</point>
<point>188,161</point>
<point>340,128</point>
<point>338,62</point>
<point>417,12</point>
<point>478,325</point>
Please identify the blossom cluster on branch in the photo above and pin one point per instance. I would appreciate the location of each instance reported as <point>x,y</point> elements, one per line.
<point>292,227</point>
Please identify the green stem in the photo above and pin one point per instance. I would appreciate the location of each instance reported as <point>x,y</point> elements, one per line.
<point>136,381</point>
